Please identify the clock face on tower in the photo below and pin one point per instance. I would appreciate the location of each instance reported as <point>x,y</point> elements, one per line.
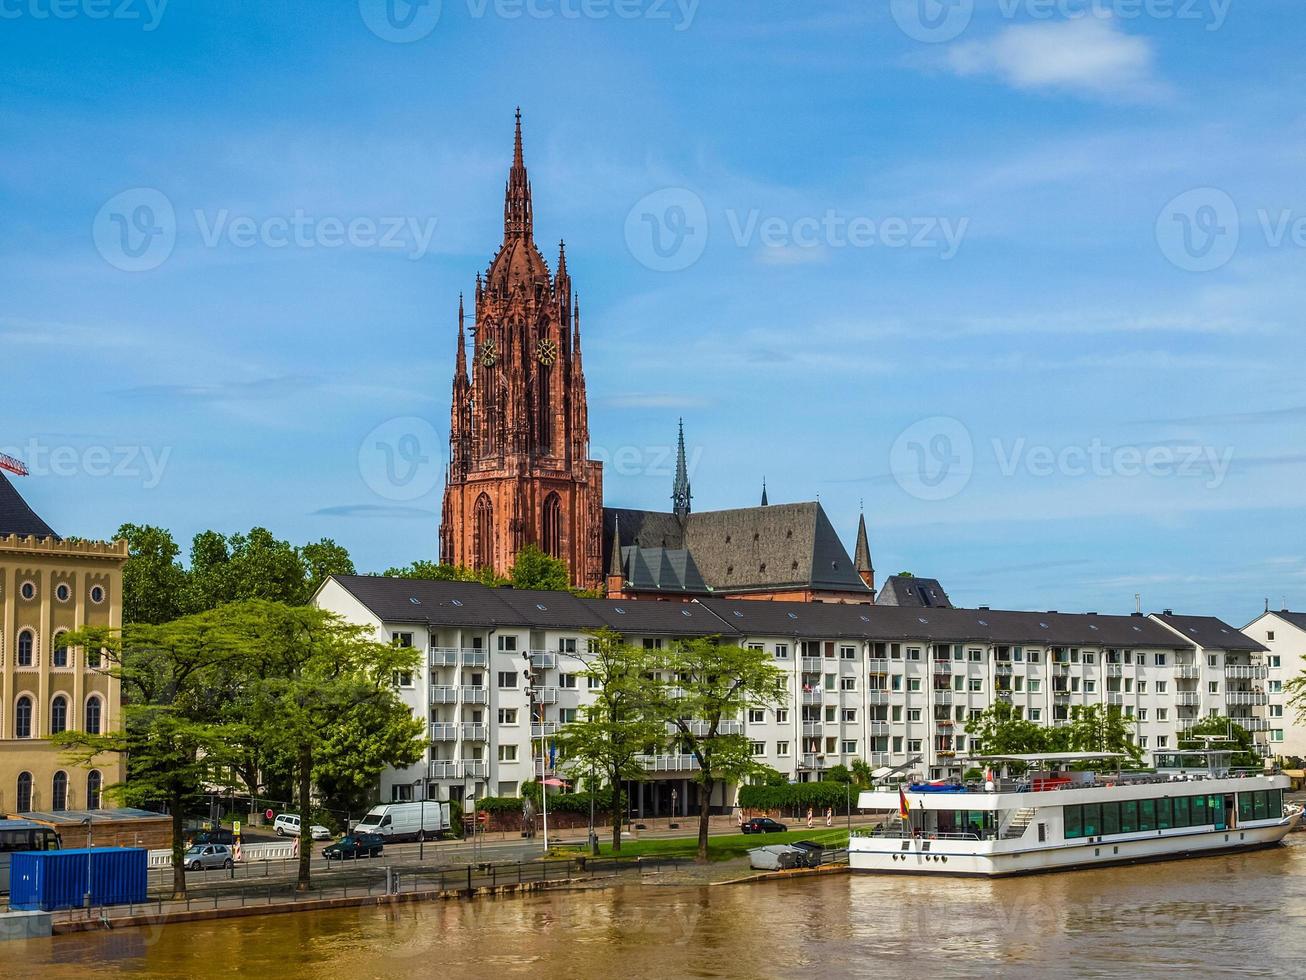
<point>547,351</point>
<point>489,353</point>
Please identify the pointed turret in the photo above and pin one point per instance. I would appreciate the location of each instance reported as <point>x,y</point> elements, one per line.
<point>616,577</point>
<point>764,500</point>
<point>517,218</point>
<point>680,495</point>
<point>460,369</point>
<point>862,555</point>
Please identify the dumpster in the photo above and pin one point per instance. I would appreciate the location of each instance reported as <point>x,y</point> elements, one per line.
<point>775,857</point>
<point>49,880</point>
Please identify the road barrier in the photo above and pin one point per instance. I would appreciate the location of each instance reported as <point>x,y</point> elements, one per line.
<point>271,851</point>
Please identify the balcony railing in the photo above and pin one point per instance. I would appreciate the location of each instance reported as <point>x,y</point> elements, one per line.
<point>1115,670</point>
<point>877,696</point>
<point>472,657</point>
<point>1004,667</point>
<point>1186,672</point>
<point>1251,672</point>
<point>441,732</point>
<point>543,729</point>
<point>700,729</point>
<point>878,759</point>
<point>877,665</point>
<point>1245,697</point>
<point>878,728</point>
<point>1188,698</point>
<point>1252,724</point>
<point>1003,695</point>
<point>1115,697</point>
<point>543,660</point>
<point>683,762</point>
<point>545,695</point>
<point>457,769</point>
<point>476,733</point>
<point>475,695</point>
<point>443,694</point>
<point>810,760</point>
<point>813,728</point>
<point>941,696</point>
<point>475,768</point>
<point>812,696</point>
<point>942,666</point>
<point>812,665</point>
<point>444,656</point>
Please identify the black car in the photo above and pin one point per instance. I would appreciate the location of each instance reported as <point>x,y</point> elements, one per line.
<point>763,825</point>
<point>355,845</point>
<point>217,835</point>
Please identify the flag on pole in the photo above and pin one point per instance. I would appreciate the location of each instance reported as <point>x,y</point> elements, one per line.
<point>553,755</point>
<point>904,808</point>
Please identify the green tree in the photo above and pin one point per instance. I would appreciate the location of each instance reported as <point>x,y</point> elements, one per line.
<point>441,572</point>
<point>152,579</point>
<point>1098,728</point>
<point>322,682</point>
<point>533,569</point>
<point>838,774</point>
<point>998,730</point>
<point>617,728</point>
<point>1243,744</point>
<point>862,773</point>
<point>172,733</point>
<point>703,683</point>
<point>320,560</point>
<point>256,565</point>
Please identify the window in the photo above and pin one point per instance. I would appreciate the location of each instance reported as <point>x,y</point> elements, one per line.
<point>1162,687</point>
<point>1090,685</point>
<point>93,659</point>
<point>1034,657</point>
<point>507,644</point>
<point>782,748</point>
<point>757,748</point>
<point>507,716</point>
<point>592,682</point>
<point>1276,711</point>
<point>507,753</point>
<point>23,718</point>
<point>28,590</point>
<point>897,744</point>
<point>829,712</point>
<point>1269,635</point>
<point>1163,741</point>
<point>1162,714</point>
<point>913,683</point>
<point>97,594</point>
<point>975,655</point>
<point>913,653</point>
<point>566,715</point>
<point>92,726</point>
<point>58,715</point>
<point>402,678</point>
<point>1090,658</point>
<point>782,651</point>
<point>756,716</point>
<point>913,745</point>
<point>976,684</point>
<point>507,679</point>
<point>1142,714</point>
<point>850,714</point>
<point>60,655</point>
<point>896,713</point>
<point>404,640</point>
<point>1212,687</point>
<point>847,653</point>
<point>895,683</point>
<point>94,783</point>
<point>24,800</point>
<point>26,648</point>
<point>913,714</point>
<point>847,683</point>
<point>781,716</point>
<point>567,645</point>
<point>1035,685</point>
<point>567,680</point>
<point>59,791</point>
<point>1035,714</point>
<point>849,747</point>
<point>1276,687</point>
<point>1160,659</point>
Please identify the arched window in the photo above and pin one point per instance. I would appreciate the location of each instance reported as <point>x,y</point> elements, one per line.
<point>92,726</point>
<point>23,718</point>
<point>59,657</point>
<point>94,784</point>
<point>26,648</point>
<point>59,791</point>
<point>552,526</point>
<point>483,546</point>
<point>24,792</point>
<point>58,714</point>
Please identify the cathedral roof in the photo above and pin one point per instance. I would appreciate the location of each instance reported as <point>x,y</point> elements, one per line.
<point>16,517</point>
<point>661,570</point>
<point>917,593</point>
<point>518,260</point>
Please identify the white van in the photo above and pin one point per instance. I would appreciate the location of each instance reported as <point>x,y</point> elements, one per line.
<point>287,825</point>
<point>406,821</point>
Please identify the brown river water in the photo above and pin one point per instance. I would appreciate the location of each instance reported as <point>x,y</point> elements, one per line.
<point>1235,915</point>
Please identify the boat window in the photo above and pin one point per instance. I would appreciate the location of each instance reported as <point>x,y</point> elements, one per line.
<point>1129,817</point>
<point>1092,819</point>
<point>1147,814</point>
<point>1197,809</point>
<point>1110,818</point>
<point>1181,812</point>
<point>1163,814</point>
<point>1074,822</point>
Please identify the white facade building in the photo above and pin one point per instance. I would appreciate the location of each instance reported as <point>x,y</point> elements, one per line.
<point>1284,635</point>
<point>883,684</point>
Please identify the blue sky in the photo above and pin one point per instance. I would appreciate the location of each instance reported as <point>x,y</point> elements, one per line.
<point>1024,277</point>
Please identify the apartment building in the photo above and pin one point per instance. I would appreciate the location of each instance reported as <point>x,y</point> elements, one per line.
<point>1283,633</point>
<point>885,684</point>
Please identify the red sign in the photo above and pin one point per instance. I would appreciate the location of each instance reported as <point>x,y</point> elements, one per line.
<point>268,814</point>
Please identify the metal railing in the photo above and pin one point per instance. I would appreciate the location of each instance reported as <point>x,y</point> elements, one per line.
<point>443,731</point>
<point>473,732</point>
<point>444,694</point>
<point>473,657</point>
<point>1245,697</point>
<point>1251,672</point>
<point>543,660</point>
<point>1187,671</point>
<point>443,657</point>
<point>1188,698</point>
<point>472,694</point>
<point>814,696</point>
<point>682,762</point>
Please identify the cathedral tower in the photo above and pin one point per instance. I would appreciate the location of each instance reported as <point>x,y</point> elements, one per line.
<point>519,466</point>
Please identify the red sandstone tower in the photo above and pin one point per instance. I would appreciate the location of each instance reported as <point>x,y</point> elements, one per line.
<point>519,466</point>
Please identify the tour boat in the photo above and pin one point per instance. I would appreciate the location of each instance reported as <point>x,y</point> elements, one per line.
<point>1065,814</point>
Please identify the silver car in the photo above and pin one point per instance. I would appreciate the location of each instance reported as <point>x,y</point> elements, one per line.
<point>201,857</point>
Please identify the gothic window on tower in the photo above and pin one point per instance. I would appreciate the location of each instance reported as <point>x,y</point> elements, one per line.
<point>552,526</point>
<point>483,550</point>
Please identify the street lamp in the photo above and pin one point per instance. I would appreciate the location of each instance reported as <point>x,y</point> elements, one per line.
<point>86,822</point>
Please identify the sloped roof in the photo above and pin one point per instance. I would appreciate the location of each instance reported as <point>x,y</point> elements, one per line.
<point>661,570</point>
<point>401,600</point>
<point>1210,632</point>
<point>907,590</point>
<point>669,618</point>
<point>1296,618</point>
<point>16,517</point>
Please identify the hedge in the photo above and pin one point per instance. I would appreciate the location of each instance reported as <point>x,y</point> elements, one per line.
<point>797,796</point>
<point>558,802</point>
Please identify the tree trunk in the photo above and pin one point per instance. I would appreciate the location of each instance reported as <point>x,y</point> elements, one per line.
<point>704,815</point>
<point>305,774</point>
<point>178,848</point>
<point>617,814</point>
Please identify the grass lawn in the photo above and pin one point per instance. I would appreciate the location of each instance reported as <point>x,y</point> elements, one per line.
<point>719,847</point>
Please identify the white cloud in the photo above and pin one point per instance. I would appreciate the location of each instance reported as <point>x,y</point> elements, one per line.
<point>1088,55</point>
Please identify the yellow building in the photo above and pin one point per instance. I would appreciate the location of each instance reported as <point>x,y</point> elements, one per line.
<point>49,586</point>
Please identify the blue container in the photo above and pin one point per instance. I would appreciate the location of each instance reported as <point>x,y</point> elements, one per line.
<point>49,880</point>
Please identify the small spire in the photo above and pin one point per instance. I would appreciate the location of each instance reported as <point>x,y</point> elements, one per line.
<point>765,502</point>
<point>862,555</point>
<point>614,565</point>
<point>517,217</point>
<point>575,326</point>
<point>517,159</point>
<point>462,342</point>
<point>680,495</point>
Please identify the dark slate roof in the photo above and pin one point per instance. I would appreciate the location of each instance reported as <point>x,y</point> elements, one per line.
<point>547,610</point>
<point>669,618</point>
<point>401,600</point>
<point>1297,619</point>
<point>1077,629</point>
<point>906,590</point>
<point>18,518</point>
<point>807,620</point>
<point>644,528</point>
<point>661,570</point>
<point>1207,631</point>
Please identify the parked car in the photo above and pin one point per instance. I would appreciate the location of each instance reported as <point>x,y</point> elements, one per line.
<point>355,845</point>
<point>287,825</point>
<point>218,835</point>
<point>763,825</point>
<point>202,857</point>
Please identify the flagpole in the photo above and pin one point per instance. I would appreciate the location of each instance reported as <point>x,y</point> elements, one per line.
<point>544,785</point>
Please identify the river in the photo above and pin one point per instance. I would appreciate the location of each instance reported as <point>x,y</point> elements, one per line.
<point>1237,915</point>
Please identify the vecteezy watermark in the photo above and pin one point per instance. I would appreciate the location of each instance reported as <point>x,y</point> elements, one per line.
<point>405,21</point>
<point>401,459</point>
<point>654,461</point>
<point>668,230</point>
<point>1201,230</point>
<point>933,459</point>
<point>939,21</point>
<point>136,230</point>
<point>143,463</point>
<point>148,12</point>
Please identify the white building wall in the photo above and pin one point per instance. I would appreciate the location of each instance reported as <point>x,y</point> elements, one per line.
<point>1286,660</point>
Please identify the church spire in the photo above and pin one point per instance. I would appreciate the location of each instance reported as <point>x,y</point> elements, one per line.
<point>764,500</point>
<point>680,495</point>
<point>461,367</point>
<point>862,555</point>
<point>518,221</point>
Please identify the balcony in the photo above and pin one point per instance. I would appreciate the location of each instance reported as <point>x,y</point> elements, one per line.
<point>1115,670</point>
<point>877,728</point>
<point>1115,697</point>
<point>877,696</point>
<point>941,696</point>
<point>1263,748</point>
<point>1188,698</point>
<point>877,665</point>
<point>1064,696</point>
<point>450,769</point>
<point>812,696</point>
<point>543,660</point>
<point>1248,672</point>
<point>475,768</point>
<point>1002,695</point>
<point>813,665</point>
<point>444,656</point>
<point>1252,724</point>
<point>475,695</point>
<point>472,657</point>
<point>946,753</point>
<point>476,733</point>
<point>701,729</point>
<point>1186,672</point>
<point>813,728</point>
<point>811,760</point>
<point>443,694</point>
<point>1004,667</point>
<point>441,732</point>
<point>545,695</point>
<point>1245,697</point>
<point>878,759</point>
<point>543,729</point>
<point>683,762</point>
<point>1061,670</point>
<point>942,666</point>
